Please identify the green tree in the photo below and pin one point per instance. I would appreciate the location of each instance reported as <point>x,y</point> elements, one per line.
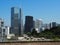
<point>29,33</point>
<point>34,32</point>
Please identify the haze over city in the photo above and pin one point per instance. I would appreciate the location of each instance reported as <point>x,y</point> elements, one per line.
<point>47,10</point>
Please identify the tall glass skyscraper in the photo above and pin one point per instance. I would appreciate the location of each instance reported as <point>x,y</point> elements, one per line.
<point>16,21</point>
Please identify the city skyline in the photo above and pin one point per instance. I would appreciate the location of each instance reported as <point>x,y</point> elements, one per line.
<point>46,10</point>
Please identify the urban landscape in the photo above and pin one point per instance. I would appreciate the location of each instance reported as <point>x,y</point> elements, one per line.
<point>31,30</point>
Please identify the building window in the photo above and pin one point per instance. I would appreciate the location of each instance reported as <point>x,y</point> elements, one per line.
<point>3,30</point>
<point>2,22</point>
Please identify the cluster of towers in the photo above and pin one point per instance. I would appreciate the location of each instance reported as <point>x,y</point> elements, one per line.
<point>19,29</point>
<point>17,26</point>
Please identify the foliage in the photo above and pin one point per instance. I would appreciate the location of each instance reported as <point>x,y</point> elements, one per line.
<point>34,32</point>
<point>52,33</point>
<point>29,34</point>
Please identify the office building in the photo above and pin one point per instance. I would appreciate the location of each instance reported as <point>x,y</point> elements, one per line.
<point>34,24</point>
<point>7,30</point>
<point>21,28</point>
<point>1,25</point>
<point>38,25</point>
<point>50,25</point>
<point>1,22</point>
<point>54,24</point>
<point>16,21</point>
<point>4,30</point>
<point>28,24</point>
<point>47,26</point>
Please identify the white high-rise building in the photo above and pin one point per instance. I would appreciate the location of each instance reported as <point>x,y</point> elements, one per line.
<point>47,26</point>
<point>1,25</point>
<point>38,25</point>
<point>7,31</point>
<point>4,30</point>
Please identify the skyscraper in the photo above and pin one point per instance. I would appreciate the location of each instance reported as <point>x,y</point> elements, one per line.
<point>54,24</point>
<point>47,26</point>
<point>28,24</point>
<point>16,21</point>
<point>1,26</point>
<point>38,25</point>
<point>21,23</point>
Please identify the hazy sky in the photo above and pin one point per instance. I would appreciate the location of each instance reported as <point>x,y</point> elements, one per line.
<point>47,10</point>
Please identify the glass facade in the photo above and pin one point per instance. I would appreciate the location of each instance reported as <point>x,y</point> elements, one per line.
<point>28,24</point>
<point>14,21</point>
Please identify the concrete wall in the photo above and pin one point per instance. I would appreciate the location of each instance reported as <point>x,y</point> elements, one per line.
<point>30,43</point>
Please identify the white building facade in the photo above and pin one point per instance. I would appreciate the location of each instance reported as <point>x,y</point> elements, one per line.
<point>38,25</point>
